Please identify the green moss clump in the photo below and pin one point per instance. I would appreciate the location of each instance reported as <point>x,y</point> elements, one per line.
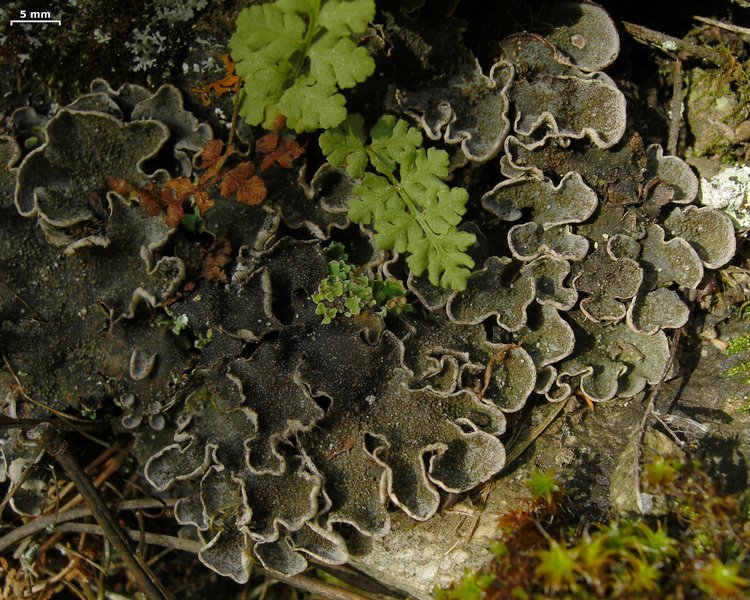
<point>348,290</point>
<point>701,546</point>
<point>740,345</point>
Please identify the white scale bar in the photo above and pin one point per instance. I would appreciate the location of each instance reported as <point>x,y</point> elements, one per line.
<point>58,21</point>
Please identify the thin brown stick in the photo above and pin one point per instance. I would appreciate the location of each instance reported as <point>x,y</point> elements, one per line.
<point>307,584</point>
<point>10,422</point>
<point>157,557</point>
<point>517,448</point>
<point>674,46</point>
<point>31,309</point>
<point>235,113</point>
<point>676,108</point>
<point>113,465</point>
<point>722,25</point>
<point>496,358</point>
<point>315,586</point>
<point>45,437</point>
<point>57,577</point>
<point>41,523</point>
<point>60,424</point>
<point>117,447</point>
<point>360,580</point>
<point>152,539</point>
<point>139,550</point>
<point>78,554</point>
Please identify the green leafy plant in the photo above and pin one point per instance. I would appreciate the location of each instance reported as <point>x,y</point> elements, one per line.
<point>701,544</point>
<point>347,290</point>
<point>175,324</point>
<point>544,486</point>
<point>558,567</point>
<point>295,56</point>
<point>739,345</point>
<point>204,339</point>
<point>412,209</point>
<point>471,587</point>
<point>722,581</point>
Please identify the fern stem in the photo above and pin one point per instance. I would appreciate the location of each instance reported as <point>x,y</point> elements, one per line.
<point>312,27</point>
<point>410,204</point>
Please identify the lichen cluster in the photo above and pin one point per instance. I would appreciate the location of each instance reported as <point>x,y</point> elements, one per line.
<point>283,436</point>
<point>589,222</point>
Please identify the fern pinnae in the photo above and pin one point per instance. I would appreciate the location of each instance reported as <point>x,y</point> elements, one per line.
<point>416,212</point>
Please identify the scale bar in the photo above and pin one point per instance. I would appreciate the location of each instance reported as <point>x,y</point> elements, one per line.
<point>14,21</point>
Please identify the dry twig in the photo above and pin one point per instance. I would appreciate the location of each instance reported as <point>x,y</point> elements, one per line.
<point>152,539</point>
<point>69,422</point>
<point>307,584</point>
<point>676,108</point>
<point>518,447</point>
<point>43,522</point>
<point>674,46</point>
<point>722,25</point>
<point>45,437</point>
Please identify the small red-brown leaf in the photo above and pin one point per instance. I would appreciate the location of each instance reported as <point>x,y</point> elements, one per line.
<point>182,187</point>
<point>214,169</point>
<point>210,153</point>
<point>284,155</point>
<point>203,201</point>
<point>252,191</point>
<point>278,122</point>
<point>167,197</point>
<point>233,179</point>
<point>203,94</point>
<point>229,83</point>
<point>268,143</point>
<point>175,213</point>
<point>148,199</point>
<point>228,64</point>
<point>120,186</point>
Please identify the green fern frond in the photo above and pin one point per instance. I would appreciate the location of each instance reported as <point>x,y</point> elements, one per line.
<point>412,209</point>
<point>296,56</point>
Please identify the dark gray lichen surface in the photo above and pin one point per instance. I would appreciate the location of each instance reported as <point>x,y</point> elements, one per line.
<point>281,436</point>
